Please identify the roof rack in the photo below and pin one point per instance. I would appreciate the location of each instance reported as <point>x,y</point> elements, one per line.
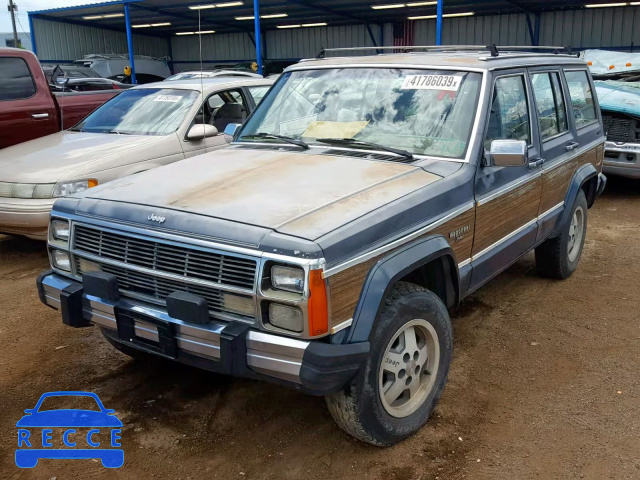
<point>492,49</point>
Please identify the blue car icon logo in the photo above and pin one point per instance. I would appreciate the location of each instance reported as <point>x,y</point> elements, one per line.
<point>83,434</point>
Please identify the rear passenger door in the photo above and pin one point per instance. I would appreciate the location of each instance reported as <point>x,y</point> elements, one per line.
<point>507,198</point>
<point>557,142</point>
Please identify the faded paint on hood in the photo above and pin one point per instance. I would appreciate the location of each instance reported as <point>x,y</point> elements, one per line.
<point>48,159</point>
<point>302,194</point>
<point>622,97</point>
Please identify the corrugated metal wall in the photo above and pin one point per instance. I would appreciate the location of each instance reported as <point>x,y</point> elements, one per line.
<point>484,30</point>
<point>586,28</point>
<point>592,28</point>
<point>61,41</point>
<point>307,42</point>
<point>216,47</point>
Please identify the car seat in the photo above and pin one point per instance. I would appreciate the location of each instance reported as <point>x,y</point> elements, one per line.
<point>228,113</point>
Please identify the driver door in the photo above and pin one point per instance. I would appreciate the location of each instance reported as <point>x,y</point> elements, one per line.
<point>507,198</point>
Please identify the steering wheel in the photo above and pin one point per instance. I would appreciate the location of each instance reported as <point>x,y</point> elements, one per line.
<point>577,114</point>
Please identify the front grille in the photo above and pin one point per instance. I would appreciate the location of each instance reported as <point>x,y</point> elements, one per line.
<point>621,128</point>
<point>215,268</point>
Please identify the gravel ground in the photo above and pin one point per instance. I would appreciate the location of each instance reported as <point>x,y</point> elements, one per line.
<point>544,384</point>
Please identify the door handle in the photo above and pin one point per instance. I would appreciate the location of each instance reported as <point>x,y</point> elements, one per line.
<point>40,116</point>
<point>572,146</point>
<point>536,164</point>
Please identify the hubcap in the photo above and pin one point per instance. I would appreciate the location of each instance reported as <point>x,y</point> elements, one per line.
<point>409,368</point>
<point>576,231</point>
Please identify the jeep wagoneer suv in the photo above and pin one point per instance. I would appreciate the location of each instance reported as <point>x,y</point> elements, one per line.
<point>363,199</point>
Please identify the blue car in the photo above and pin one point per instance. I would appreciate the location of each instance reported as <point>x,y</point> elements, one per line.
<point>70,419</point>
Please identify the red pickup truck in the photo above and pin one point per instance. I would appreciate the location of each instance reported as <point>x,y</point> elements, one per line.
<point>28,109</point>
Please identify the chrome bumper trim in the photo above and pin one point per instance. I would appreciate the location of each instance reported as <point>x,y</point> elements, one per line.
<point>272,355</point>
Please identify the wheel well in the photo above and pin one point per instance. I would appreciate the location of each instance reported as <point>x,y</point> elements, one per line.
<point>439,276</point>
<point>590,188</point>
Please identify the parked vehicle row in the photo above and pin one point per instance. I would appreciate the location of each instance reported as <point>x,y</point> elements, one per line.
<point>361,201</point>
<point>142,128</point>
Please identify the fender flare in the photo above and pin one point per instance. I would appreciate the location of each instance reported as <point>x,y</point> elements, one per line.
<point>582,175</point>
<point>388,270</point>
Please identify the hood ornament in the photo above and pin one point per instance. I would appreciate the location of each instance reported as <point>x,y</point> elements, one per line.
<point>156,218</point>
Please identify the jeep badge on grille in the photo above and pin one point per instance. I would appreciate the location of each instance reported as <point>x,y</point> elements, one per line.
<point>156,218</point>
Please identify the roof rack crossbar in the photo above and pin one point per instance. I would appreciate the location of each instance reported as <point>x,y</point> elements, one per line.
<point>494,50</point>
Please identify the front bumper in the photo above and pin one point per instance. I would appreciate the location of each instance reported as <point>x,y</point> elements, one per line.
<point>622,159</point>
<point>232,348</point>
<point>28,217</point>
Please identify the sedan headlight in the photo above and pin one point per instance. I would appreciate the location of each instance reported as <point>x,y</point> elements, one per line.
<point>290,279</point>
<point>64,189</point>
<point>59,229</point>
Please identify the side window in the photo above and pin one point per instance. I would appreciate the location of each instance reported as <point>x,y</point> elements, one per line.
<point>584,110</point>
<point>16,82</point>
<point>550,104</point>
<point>223,108</point>
<point>258,93</point>
<point>509,118</point>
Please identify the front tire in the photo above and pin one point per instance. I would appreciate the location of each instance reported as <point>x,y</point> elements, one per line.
<point>559,257</point>
<point>394,394</point>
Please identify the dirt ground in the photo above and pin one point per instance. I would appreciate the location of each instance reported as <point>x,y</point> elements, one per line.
<point>544,384</point>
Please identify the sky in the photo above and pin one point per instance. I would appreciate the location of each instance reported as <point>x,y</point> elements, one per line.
<point>24,6</point>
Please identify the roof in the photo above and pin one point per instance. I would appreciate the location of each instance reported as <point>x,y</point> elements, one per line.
<point>480,59</point>
<point>238,16</point>
<point>208,83</point>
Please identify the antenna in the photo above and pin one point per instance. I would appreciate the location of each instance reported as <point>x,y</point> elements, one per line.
<point>201,77</point>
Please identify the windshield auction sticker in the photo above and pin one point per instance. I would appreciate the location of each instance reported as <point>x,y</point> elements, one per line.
<point>450,83</point>
<point>168,98</point>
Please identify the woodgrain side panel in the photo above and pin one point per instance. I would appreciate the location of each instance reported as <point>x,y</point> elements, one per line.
<point>345,287</point>
<point>506,213</point>
<point>555,183</point>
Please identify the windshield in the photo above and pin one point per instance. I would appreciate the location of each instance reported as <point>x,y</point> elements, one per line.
<point>147,111</point>
<point>425,112</point>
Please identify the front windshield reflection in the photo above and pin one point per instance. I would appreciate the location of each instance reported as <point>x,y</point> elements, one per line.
<point>425,112</point>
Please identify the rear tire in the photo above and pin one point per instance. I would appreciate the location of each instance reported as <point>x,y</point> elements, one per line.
<point>403,378</point>
<point>559,257</point>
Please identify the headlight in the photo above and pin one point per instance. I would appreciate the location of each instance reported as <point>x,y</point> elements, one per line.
<point>64,189</point>
<point>60,260</point>
<point>288,318</point>
<point>290,279</point>
<point>59,229</point>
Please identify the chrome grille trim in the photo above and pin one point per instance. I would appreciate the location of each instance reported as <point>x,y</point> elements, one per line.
<point>150,269</point>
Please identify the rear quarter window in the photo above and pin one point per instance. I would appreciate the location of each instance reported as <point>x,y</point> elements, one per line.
<point>16,82</point>
<point>584,109</point>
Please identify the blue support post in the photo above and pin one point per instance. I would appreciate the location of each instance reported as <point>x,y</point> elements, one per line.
<point>439,23</point>
<point>258,38</point>
<point>34,48</point>
<point>132,62</point>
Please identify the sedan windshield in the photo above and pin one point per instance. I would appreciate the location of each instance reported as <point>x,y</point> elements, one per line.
<point>146,111</point>
<point>424,112</point>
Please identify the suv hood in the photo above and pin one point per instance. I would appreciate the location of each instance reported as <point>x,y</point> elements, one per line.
<point>47,159</point>
<point>302,194</point>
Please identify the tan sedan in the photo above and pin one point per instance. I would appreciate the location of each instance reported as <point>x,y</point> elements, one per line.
<point>140,129</point>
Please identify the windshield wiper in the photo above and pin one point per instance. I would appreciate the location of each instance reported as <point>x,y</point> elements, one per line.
<point>352,142</point>
<point>118,133</point>
<point>284,138</point>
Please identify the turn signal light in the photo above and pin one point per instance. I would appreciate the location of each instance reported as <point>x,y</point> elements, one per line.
<point>318,312</point>
<point>92,183</point>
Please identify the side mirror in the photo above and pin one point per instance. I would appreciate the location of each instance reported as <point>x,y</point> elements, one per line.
<point>201,131</point>
<point>230,131</point>
<point>29,411</point>
<point>507,153</point>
